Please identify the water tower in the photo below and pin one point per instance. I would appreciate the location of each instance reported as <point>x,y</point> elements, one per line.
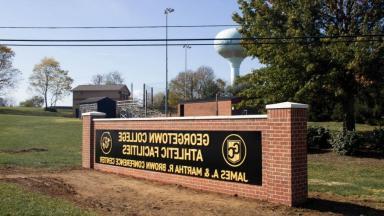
<point>231,50</point>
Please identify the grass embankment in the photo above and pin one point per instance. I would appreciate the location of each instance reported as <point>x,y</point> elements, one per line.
<point>16,201</point>
<point>32,111</point>
<point>44,142</point>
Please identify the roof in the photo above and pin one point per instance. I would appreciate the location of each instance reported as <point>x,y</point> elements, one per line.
<point>94,100</point>
<point>232,99</point>
<point>116,87</point>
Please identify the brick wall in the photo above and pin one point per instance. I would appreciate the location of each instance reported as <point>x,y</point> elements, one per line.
<point>209,108</point>
<point>284,156</point>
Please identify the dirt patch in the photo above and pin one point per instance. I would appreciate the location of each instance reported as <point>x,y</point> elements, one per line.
<point>332,157</point>
<point>46,185</point>
<point>24,150</point>
<point>120,195</point>
<point>328,183</point>
<point>340,205</point>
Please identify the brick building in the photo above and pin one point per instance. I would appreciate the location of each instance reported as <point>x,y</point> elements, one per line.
<point>209,107</point>
<point>82,92</point>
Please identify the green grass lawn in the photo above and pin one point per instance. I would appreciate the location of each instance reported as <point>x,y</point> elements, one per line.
<point>33,111</point>
<point>16,201</point>
<point>60,138</point>
<point>338,126</point>
<point>347,176</point>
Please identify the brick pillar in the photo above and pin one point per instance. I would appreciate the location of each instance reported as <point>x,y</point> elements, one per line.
<point>286,153</point>
<point>87,150</point>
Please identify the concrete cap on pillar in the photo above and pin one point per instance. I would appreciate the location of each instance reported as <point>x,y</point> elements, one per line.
<point>101,114</point>
<point>287,105</point>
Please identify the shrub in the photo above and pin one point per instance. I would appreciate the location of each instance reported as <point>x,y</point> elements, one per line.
<point>346,143</point>
<point>377,140</point>
<point>318,138</point>
<point>372,141</point>
<point>50,109</point>
<point>35,101</point>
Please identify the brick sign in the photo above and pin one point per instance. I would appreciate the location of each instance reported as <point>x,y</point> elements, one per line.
<point>221,155</point>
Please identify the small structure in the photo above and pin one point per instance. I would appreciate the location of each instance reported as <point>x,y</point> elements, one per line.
<point>99,104</point>
<point>114,92</point>
<point>209,107</point>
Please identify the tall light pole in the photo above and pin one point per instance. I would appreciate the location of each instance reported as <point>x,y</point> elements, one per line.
<point>166,12</point>
<point>186,47</point>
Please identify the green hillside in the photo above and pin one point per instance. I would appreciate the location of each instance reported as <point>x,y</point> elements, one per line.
<point>33,111</point>
<point>40,141</point>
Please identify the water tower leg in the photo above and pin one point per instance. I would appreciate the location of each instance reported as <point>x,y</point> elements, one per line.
<point>235,72</point>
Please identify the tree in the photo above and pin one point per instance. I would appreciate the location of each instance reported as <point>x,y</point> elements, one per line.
<point>267,85</point>
<point>7,102</point>
<point>199,84</point>
<point>207,86</point>
<point>35,101</point>
<point>61,86</point>
<point>305,62</point>
<point>50,81</point>
<point>110,78</point>
<point>3,102</point>
<point>98,79</point>
<point>8,74</point>
<point>159,100</point>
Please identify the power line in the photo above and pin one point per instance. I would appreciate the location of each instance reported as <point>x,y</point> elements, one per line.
<point>118,27</point>
<point>194,39</point>
<point>120,40</point>
<point>105,45</point>
<point>181,44</point>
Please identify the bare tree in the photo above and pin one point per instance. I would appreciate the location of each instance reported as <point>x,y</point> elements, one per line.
<point>158,100</point>
<point>111,78</point>
<point>114,77</point>
<point>206,85</point>
<point>61,86</point>
<point>8,74</point>
<point>199,84</point>
<point>98,79</point>
<point>50,81</point>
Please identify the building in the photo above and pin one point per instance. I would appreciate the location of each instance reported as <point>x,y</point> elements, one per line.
<point>114,92</point>
<point>209,107</point>
<point>98,104</point>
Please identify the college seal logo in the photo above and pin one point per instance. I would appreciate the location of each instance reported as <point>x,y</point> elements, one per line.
<point>234,150</point>
<point>106,142</point>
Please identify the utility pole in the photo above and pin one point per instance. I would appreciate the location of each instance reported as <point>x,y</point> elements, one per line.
<point>145,104</point>
<point>186,47</point>
<point>217,105</point>
<point>152,97</point>
<point>132,91</point>
<point>166,12</point>
<point>144,95</point>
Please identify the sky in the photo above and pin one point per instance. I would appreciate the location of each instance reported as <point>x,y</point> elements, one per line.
<point>138,65</point>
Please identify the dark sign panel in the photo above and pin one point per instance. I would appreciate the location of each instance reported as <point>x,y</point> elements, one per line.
<point>233,156</point>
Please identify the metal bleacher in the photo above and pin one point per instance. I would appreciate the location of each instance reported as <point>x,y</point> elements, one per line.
<point>134,108</point>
